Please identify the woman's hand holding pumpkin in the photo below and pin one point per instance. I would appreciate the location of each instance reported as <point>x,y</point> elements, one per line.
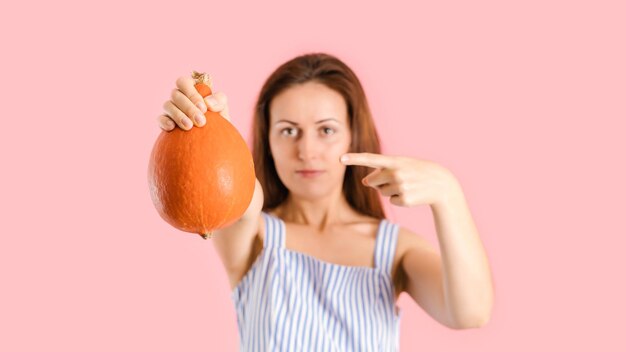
<point>186,107</point>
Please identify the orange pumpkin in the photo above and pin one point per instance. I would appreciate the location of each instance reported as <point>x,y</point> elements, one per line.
<point>202,179</point>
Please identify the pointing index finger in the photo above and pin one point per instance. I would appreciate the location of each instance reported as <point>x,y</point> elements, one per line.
<point>368,159</point>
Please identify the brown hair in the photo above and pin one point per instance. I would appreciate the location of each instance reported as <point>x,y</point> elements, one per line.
<point>335,74</point>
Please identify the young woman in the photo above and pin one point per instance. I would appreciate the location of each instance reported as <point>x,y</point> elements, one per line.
<point>313,263</point>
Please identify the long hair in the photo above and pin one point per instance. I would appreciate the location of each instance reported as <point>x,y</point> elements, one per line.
<point>335,74</point>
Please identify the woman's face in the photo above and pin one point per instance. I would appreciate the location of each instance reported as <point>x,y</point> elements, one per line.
<point>308,132</point>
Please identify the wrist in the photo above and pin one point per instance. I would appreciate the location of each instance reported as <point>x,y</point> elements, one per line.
<point>451,193</point>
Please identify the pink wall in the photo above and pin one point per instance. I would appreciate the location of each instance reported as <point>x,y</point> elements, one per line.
<point>525,103</point>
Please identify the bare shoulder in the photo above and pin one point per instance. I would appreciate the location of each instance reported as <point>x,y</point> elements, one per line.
<point>407,239</point>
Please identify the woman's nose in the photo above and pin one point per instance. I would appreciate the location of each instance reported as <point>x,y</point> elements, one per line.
<point>308,147</point>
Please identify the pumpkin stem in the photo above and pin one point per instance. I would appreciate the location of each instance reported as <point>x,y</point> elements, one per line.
<point>202,77</point>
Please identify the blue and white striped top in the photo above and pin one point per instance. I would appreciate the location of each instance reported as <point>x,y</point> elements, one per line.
<point>291,301</point>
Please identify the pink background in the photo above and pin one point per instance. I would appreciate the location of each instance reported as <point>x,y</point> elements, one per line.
<point>524,102</point>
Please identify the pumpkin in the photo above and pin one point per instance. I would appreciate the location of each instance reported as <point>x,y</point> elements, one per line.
<point>202,179</point>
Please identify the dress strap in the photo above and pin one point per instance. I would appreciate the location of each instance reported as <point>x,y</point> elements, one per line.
<point>274,231</point>
<point>386,240</point>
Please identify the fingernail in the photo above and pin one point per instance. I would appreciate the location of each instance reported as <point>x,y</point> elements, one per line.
<point>201,106</point>
<point>344,158</point>
<point>187,123</point>
<point>200,119</point>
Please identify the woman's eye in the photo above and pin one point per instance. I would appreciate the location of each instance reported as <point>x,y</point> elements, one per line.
<point>288,131</point>
<point>328,130</point>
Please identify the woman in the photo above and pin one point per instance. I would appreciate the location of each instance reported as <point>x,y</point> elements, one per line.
<point>313,263</point>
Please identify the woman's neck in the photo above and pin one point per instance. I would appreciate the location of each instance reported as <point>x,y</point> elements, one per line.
<point>319,213</point>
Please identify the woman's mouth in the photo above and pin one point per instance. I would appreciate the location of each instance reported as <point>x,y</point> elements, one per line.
<point>309,173</point>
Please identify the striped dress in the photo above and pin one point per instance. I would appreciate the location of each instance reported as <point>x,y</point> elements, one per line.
<point>291,301</point>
